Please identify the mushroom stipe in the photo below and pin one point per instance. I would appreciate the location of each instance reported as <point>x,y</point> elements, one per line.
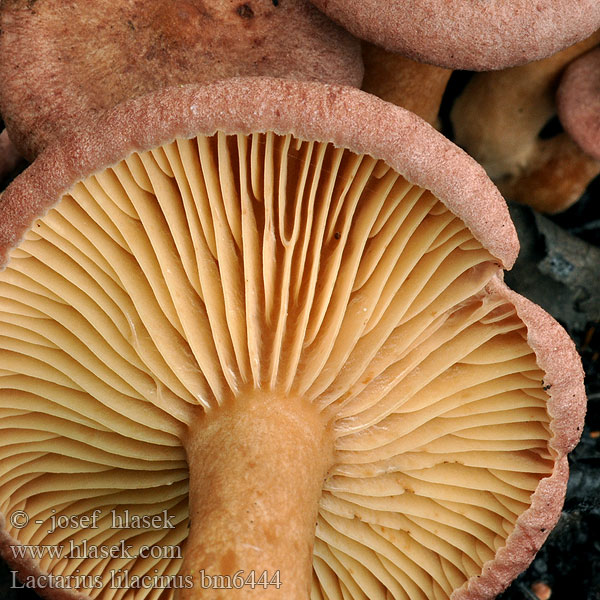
<point>323,340</point>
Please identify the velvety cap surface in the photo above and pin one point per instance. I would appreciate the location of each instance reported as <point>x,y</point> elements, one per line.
<point>467,34</point>
<point>578,101</point>
<point>66,62</point>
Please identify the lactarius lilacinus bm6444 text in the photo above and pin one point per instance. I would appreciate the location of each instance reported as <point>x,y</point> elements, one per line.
<point>297,288</point>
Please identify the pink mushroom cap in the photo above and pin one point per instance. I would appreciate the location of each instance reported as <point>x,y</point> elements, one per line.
<point>465,34</point>
<point>63,63</point>
<point>578,102</point>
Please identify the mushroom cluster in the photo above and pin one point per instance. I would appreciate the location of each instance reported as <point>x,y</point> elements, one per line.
<point>501,119</point>
<point>254,335</point>
<point>297,288</point>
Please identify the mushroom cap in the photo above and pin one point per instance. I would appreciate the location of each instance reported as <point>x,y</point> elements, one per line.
<point>555,354</point>
<point>422,155</point>
<point>578,101</point>
<point>67,62</point>
<point>375,162</point>
<point>465,34</point>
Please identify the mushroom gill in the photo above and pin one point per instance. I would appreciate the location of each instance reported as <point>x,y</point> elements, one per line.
<point>180,280</point>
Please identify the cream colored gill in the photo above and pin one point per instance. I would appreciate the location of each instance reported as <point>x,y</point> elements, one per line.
<point>180,277</point>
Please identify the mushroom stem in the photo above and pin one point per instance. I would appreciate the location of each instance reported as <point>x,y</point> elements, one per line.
<point>256,474</point>
<point>416,86</point>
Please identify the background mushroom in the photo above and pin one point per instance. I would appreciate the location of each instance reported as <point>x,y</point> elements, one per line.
<point>207,251</point>
<point>578,100</point>
<point>65,63</point>
<point>468,35</point>
<point>505,120</point>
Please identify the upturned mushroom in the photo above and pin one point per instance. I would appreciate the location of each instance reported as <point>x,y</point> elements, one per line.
<point>463,34</point>
<point>578,101</point>
<point>295,290</point>
<point>66,63</point>
<point>501,119</point>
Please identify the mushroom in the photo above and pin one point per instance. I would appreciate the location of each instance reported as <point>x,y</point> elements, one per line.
<point>501,120</point>
<point>556,177</point>
<point>418,87</point>
<point>65,63</point>
<point>578,101</point>
<point>470,35</point>
<point>297,287</point>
